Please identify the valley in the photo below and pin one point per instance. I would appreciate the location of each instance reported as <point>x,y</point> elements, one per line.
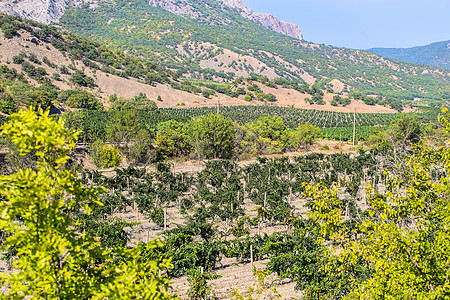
<point>201,150</point>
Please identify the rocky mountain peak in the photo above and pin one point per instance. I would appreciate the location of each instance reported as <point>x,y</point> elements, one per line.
<point>182,7</point>
<point>44,11</point>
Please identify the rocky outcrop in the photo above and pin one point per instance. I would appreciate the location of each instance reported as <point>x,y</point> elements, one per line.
<point>182,7</point>
<point>178,7</point>
<point>44,11</point>
<point>266,20</point>
<point>49,11</point>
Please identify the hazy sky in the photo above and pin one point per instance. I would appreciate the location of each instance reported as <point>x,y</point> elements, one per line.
<point>363,24</point>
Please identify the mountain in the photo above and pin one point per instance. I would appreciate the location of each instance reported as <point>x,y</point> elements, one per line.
<point>436,54</point>
<point>50,11</point>
<point>267,20</point>
<point>40,62</point>
<point>44,11</point>
<point>216,40</point>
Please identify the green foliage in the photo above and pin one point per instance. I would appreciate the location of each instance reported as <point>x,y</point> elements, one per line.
<point>405,129</point>
<point>173,139</point>
<point>104,155</point>
<point>83,99</point>
<point>396,239</point>
<point>7,104</point>
<point>18,59</point>
<point>305,135</point>
<point>264,136</point>
<point>38,73</point>
<point>198,285</point>
<point>54,260</point>
<point>140,102</point>
<point>81,79</point>
<point>213,136</point>
<point>38,98</point>
<point>9,30</point>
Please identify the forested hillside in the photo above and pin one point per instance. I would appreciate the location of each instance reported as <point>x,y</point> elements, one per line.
<point>436,54</point>
<point>222,45</point>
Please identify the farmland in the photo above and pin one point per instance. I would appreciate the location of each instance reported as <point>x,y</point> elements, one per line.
<point>334,125</point>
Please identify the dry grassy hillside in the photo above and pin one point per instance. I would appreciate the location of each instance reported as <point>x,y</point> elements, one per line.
<point>107,84</point>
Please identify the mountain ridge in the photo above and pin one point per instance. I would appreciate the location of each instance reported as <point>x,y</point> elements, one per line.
<point>209,40</point>
<point>50,11</point>
<point>434,54</point>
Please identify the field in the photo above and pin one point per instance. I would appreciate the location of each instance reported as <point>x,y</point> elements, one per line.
<point>334,125</point>
<point>225,212</point>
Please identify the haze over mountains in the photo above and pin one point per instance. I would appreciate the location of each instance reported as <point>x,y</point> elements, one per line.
<point>221,40</point>
<point>436,54</point>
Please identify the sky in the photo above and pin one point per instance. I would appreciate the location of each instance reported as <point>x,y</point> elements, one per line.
<point>364,24</point>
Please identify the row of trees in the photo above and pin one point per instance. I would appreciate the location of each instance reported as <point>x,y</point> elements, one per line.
<point>215,137</point>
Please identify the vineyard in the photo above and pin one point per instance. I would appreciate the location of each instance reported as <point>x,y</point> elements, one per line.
<point>302,219</point>
<point>292,117</point>
<point>226,211</point>
<point>335,125</point>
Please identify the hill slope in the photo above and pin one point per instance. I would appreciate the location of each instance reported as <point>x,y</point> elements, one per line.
<point>221,45</point>
<point>41,57</point>
<point>212,41</point>
<point>436,54</point>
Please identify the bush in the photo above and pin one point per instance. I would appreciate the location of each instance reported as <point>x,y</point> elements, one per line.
<point>82,79</point>
<point>248,97</point>
<point>18,59</point>
<point>7,104</point>
<point>83,99</point>
<point>104,155</point>
<point>9,30</point>
<point>39,99</point>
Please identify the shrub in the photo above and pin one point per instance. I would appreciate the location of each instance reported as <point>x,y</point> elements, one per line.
<point>104,155</point>
<point>7,104</point>
<point>83,99</point>
<point>82,79</point>
<point>9,30</point>
<point>18,59</point>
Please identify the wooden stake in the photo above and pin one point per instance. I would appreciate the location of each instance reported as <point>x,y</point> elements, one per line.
<point>251,254</point>
<point>290,194</point>
<point>165,219</point>
<point>265,199</point>
<point>354,128</point>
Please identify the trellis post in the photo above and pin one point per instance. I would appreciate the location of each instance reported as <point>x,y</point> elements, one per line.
<point>165,219</point>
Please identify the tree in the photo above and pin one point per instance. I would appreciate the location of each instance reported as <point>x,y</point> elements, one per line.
<point>83,99</point>
<point>172,139</point>
<point>305,135</point>
<point>7,104</point>
<point>123,127</point>
<point>82,79</point>
<point>54,259</point>
<point>213,137</point>
<point>269,127</point>
<point>404,130</point>
<point>403,238</point>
